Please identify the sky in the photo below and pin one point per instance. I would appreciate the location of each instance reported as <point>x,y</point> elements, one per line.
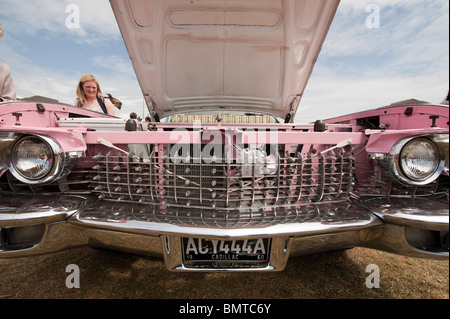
<point>377,52</point>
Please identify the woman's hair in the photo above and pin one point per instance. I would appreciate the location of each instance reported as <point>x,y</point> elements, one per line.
<point>80,92</point>
<point>2,31</point>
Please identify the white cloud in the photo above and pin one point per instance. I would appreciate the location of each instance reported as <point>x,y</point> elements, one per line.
<point>97,22</point>
<point>31,79</point>
<point>361,68</point>
<point>362,4</point>
<point>114,63</point>
<point>358,69</point>
<point>327,97</point>
<point>404,26</point>
<point>46,20</point>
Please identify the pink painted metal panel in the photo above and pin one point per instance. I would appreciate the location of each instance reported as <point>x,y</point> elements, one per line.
<point>30,116</point>
<point>382,141</point>
<point>174,137</point>
<point>70,140</point>
<point>393,118</point>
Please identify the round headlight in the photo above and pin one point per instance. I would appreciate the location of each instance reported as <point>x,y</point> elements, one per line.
<point>419,159</point>
<point>32,157</point>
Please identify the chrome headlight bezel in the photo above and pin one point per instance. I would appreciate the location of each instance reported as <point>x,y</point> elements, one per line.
<point>51,174</point>
<point>399,172</point>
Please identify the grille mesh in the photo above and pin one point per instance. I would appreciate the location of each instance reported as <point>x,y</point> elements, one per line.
<point>258,181</point>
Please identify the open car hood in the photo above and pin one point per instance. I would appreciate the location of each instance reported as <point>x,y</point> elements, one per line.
<point>224,55</point>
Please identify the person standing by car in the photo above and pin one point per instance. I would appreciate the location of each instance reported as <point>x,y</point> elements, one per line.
<point>7,87</point>
<point>89,96</point>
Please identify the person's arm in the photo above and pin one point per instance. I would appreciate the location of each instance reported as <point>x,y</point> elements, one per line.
<point>8,89</point>
<point>109,107</point>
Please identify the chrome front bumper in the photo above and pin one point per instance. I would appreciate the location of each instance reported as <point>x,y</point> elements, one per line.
<point>45,224</point>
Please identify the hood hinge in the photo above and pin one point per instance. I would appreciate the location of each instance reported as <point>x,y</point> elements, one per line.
<point>290,116</point>
<point>153,114</point>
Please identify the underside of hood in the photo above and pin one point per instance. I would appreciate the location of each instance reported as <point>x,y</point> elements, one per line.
<point>223,55</point>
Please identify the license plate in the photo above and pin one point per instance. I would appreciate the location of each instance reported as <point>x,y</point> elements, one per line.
<point>214,250</point>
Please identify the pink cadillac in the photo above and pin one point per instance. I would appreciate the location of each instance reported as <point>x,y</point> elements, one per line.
<point>222,179</point>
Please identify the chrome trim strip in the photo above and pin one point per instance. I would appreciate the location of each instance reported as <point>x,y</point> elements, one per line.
<point>420,212</point>
<point>128,177</point>
<point>61,236</point>
<point>30,210</point>
<point>155,221</point>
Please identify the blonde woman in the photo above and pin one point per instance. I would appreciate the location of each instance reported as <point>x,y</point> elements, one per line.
<point>90,96</point>
<point>7,87</point>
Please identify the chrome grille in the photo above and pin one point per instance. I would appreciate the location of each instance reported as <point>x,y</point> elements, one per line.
<point>220,183</point>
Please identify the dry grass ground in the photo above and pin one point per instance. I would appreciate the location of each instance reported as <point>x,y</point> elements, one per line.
<point>113,275</point>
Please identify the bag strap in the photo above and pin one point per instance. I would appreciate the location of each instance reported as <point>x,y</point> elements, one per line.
<point>102,105</point>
